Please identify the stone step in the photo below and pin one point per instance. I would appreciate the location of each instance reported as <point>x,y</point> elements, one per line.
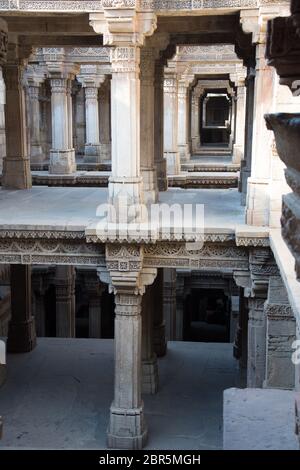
<point>220,180</point>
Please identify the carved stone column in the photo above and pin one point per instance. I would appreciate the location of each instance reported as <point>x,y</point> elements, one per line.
<point>39,287</point>
<point>258,203</point>
<point>16,164</point>
<point>91,81</point>
<point>94,290</point>
<point>65,301</point>
<point>160,161</point>
<point>262,265</point>
<point>246,161</point>
<point>148,169</point>
<point>21,333</point>
<point>281,333</point>
<point>127,279</point>
<point>2,120</point>
<point>104,106</point>
<point>127,429</point>
<point>149,359</point>
<point>180,299</point>
<point>183,112</point>
<point>170,303</point>
<point>62,155</point>
<point>171,152</point>
<point>239,145</point>
<point>159,340</point>
<point>3,52</point>
<point>36,154</point>
<point>195,120</point>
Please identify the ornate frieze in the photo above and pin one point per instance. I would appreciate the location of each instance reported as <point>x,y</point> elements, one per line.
<point>211,256</point>
<point>144,5</point>
<point>51,251</point>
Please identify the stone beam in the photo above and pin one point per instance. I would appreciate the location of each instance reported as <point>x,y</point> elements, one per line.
<point>50,26</point>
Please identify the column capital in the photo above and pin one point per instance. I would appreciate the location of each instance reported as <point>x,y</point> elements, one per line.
<point>34,75</point>
<point>124,272</point>
<point>255,20</point>
<point>61,69</point>
<point>238,78</point>
<point>123,23</point>
<point>90,76</point>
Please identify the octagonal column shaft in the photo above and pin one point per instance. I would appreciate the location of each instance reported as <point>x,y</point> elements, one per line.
<point>125,181</point>
<point>62,153</point>
<point>16,164</point>
<point>148,169</point>
<point>127,429</point>
<point>171,124</point>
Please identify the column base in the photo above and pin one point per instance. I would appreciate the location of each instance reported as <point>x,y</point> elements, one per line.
<point>126,429</point>
<point>195,144</point>
<point>150,376</point>
<point>173,163</point>
<point>150,185</point>
<point>105,152</point>
<point>62,162</point>
<point>160,343</point>
<point>184,153</point>
<point>237,154</point>
<point>258,201</point>
<point>21,337</point>
<point>92,153</point>
<point>125,194</point>
<point>36,154</point>
<point>16,173</point>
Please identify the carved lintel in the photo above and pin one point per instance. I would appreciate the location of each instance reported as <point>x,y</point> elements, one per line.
<point>122,25</point>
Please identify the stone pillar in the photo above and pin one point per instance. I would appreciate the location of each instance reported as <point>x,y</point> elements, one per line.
<point>65,301</point>
<point>16,164</point>
<point>94,290</point>
<point>78,119</point>
<point>39,286</point>
<point>125,182</point>
<point>21,332</point>
<point>127,428</point>
<point>149,359</point>
<point>2,121</point>
<point>240,349</point>
<point>180,299</point>
<point>148,169</point>
<point>34,77</point>
<point>171,153</point>
<point>256,343</point>
<point>234,316</point>
<point>62,153</point>
<point>105,114</point>
<point>232,136</point>
<point>91,81</point>
<point>246,162</point>
<point>258,194</point>
<point>195,121</point>
<point>160,343</point>
<point>170,303</point>
<point>183,113</point>
<point>262,265</point>
<point>160,161</point>
<point>281,333</point>
<point>239,145</point>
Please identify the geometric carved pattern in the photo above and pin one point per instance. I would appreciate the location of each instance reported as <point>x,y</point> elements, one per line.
<point>211,256</point>
<point>70,252</point>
